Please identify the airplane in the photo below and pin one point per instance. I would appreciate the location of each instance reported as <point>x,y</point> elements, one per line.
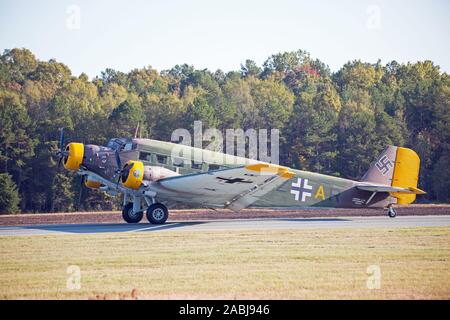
<point>152,179</point>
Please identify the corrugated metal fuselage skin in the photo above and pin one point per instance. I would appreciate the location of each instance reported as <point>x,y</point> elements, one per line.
<point>312,189</point>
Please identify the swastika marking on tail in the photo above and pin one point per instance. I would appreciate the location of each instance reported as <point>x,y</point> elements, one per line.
<point>384,165</point>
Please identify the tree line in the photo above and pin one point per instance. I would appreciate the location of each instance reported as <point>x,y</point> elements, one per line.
<point>330,122</point>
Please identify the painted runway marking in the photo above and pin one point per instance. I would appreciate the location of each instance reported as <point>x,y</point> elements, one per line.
<point>155,227</point>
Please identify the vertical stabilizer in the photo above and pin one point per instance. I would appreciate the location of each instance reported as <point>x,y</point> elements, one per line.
<point>396,167</point>
<point>381,171</point>
<point>406,174</point>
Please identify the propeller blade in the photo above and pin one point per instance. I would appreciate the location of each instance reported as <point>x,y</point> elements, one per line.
<point>61,140</point>
<point>118,162</point>
<point>125,172</point>
<point>61,153</point>
<point>118,181</point>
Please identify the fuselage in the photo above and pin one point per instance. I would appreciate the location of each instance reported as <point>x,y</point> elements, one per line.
<point>304,189</point>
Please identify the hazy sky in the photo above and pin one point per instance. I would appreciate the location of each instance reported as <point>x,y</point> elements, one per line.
<point>90,36</point>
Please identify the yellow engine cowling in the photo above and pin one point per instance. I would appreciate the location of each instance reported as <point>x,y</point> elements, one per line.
<point>75,157</point>
<point>133,174</point>
<point>92,184</point>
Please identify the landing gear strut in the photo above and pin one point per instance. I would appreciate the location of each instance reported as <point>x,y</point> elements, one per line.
<point>157,213</point>
<point>391,212</point>
<point>129,215</point>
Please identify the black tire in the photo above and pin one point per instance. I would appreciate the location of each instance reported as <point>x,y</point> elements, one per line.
<point>129,216</point>
<point>157,213</point>
<point>392,213</point>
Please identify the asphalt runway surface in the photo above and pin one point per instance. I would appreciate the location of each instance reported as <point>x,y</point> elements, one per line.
<point>232,224</point>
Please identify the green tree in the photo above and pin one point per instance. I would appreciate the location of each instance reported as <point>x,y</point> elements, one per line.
<point>250,68</point>
<point>9,195</point>
<point>125,118</point>
<point>357,141</point>
<point>200,110</point>
<point>332,123</point>
<point>313,130</point>
<point>272,105</point>
<point>63,195</point>
<point>15,145</point>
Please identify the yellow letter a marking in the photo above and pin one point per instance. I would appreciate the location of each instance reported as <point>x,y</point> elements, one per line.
<point>320,193</point>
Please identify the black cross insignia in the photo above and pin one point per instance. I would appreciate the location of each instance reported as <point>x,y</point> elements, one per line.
<point>234,180</point>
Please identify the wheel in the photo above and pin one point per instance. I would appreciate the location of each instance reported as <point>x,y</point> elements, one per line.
<point>157,213</point>
<point>391,212</point>
<point>130,216</point>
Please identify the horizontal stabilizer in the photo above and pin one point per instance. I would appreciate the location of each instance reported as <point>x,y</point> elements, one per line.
<point>382,188</point>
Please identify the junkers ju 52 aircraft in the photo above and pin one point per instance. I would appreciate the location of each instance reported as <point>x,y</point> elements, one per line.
<point>152,179</point>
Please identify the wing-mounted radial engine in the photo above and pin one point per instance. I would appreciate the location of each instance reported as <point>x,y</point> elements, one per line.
<point>133,176</point>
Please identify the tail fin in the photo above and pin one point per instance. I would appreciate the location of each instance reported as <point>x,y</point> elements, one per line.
<point>396,167</point>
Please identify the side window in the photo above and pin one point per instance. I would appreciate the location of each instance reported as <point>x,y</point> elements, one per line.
<point>178,162</point>
<point>212,167</point>
<point>161,158</point>
<point>196,165</point>
<point>145,156</point>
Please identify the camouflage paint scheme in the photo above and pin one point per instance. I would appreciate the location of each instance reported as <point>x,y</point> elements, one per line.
<point>305,189</point>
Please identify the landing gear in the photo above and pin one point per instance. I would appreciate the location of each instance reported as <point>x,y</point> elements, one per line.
<point>133,212</point>
<point>157,213</point>
<point>391,212</point>
<point>129,215</point>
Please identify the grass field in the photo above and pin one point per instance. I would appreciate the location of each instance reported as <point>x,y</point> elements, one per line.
<point>297,264</point>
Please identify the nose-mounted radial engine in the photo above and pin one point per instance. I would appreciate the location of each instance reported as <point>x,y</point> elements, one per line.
<point>95,164</point>
<point>71,157</point>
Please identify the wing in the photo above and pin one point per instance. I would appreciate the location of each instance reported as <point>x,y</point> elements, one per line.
<point>235,188</point>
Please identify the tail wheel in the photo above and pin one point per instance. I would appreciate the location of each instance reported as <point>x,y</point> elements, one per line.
<point>392,213</point>
<point>130,216</point>
<point>157,213</point>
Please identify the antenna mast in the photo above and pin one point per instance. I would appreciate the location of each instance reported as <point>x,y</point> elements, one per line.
<point>136,132</point>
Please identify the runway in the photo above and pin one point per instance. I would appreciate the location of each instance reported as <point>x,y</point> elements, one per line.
<point>231,224</point>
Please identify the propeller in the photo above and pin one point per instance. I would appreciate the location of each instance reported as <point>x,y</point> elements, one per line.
<point>118,162</point>
<point>125,172</point>
<point>120,170</point>
<point>61,140</point>
<point>61,153</point>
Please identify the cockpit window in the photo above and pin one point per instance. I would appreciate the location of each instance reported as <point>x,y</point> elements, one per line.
<point>120,144</point>
<point>114,144</point>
